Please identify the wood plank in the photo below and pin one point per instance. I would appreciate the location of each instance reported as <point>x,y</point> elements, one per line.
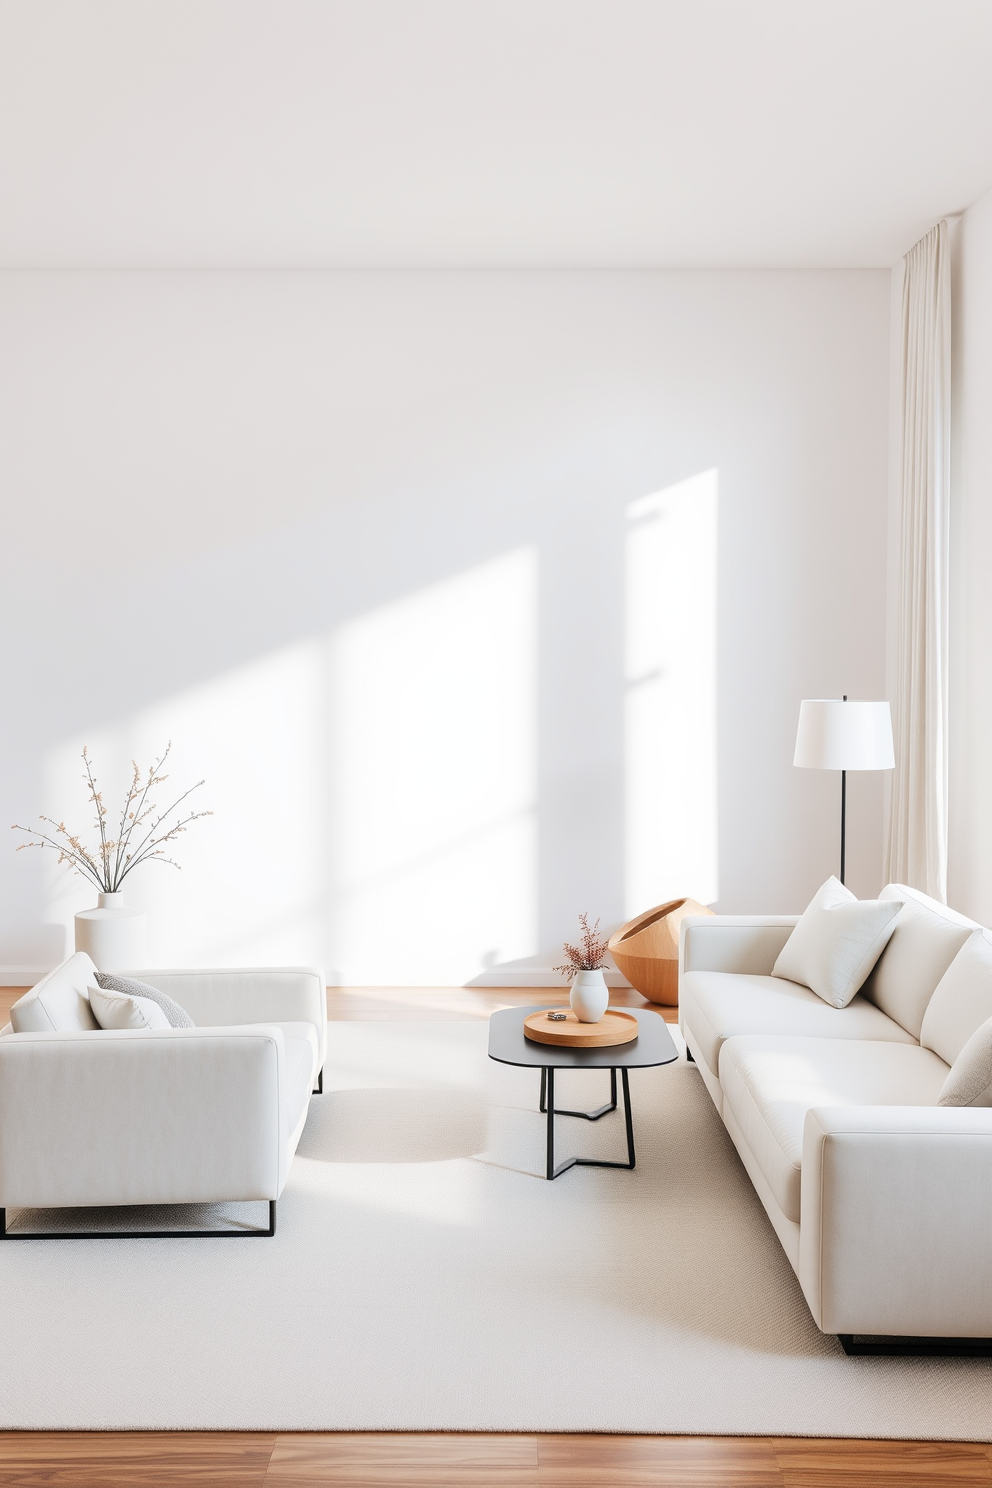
<point>903,1476</point>
<point>391,1459</point>
<point>376,1459</point>
<point>831,1463</point>
<point>134,1459</point>
<point>8,996</point>
<point>586,1461</point>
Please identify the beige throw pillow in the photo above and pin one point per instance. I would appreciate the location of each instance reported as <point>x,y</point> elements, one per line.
<point>119,1010</point>
<point>837,942</point>
<point>969,1082</point>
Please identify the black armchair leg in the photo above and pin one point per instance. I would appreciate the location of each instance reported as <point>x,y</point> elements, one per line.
<point>6,1234</point>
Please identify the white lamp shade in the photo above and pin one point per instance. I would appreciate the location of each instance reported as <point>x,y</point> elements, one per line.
<point>835,735</point>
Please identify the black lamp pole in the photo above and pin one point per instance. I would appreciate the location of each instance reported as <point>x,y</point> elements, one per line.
<point>843,815</point>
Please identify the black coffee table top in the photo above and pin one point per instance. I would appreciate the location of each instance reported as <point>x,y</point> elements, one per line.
<point>507,1043</point>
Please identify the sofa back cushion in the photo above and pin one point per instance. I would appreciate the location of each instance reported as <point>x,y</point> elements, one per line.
<point>60,1002</point>
<point>962,1001</point>
<point>926,938</point>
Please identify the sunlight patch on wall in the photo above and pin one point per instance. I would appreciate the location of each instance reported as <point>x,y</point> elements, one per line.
<point>433,779</point>
<point>373,795</point>
<point>670,705</point>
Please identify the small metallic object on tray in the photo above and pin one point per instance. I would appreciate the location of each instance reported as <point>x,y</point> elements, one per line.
<point>556,1017</point>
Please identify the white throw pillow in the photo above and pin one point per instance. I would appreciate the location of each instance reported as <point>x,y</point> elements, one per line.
<point>837,942</point>
<point>119,1010</point>
<point>970,1080</point>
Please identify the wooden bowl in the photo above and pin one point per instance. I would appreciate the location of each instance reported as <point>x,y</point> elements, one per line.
<point>646,950</point>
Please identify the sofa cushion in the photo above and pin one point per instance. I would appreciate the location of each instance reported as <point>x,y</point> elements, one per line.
<point>770,1083</point>
<point>925,939</point>
<point>836,942</point>
<point>970,1080</point>
<point>59,1003</point>
<point>962,1000</point>
<point>716,1005</point>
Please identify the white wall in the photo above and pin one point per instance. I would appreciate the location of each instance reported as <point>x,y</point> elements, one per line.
<point>375,551</point>
<point>969,874</point>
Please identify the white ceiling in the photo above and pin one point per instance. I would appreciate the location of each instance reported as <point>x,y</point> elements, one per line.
<point>488,132</point>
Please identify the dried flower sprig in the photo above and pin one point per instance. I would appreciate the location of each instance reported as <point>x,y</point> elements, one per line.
<point>588,955</point>
<point>139,838</point>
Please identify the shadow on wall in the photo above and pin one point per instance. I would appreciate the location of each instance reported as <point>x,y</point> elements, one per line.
<point>464,749</point>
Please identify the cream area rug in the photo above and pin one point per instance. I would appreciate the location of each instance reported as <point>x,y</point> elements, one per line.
<point>425,1276</point>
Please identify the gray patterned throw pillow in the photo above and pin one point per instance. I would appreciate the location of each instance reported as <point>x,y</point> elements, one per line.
<point>178,1017</point>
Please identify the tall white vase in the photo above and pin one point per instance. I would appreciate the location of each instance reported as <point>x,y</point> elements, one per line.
<point>112,935</point>
<point>590,996</point>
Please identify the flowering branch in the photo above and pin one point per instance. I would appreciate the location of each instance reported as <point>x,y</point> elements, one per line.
<point>589,955</point>
<point>111,862</point>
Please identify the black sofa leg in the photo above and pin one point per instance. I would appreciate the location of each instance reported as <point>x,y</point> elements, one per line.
<point>6,1234</point>
<point>319,1089</point>
<point>688,1055</point>
<point>859,1344</point>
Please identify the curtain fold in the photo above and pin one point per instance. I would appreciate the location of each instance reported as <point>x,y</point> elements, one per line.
<point>917,843</point>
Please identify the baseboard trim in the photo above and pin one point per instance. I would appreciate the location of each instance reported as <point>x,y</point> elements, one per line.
<point>22,976</point>
<point>534,976</point>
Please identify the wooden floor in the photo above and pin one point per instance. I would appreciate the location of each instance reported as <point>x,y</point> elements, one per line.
<point>426,1004</point>
<point>394,1460</point>
<point>219,1459</point>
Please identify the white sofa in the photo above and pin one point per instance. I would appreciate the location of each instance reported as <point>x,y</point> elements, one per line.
<point>209,1114</point>
<point>881,1198</point>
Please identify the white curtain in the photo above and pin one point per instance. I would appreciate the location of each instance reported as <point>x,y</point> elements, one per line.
<point>917,845</point>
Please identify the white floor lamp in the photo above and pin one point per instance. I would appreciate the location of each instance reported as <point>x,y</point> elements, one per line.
<point>835,734</point>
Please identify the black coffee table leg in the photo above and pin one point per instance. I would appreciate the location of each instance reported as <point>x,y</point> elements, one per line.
<point>548,1090</point>
<point>585,1115</point>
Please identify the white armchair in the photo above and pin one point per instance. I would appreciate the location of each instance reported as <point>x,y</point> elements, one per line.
<point>210,1114</point>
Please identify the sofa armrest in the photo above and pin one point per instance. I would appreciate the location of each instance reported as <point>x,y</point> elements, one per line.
<point>173,1116</point>
<point>229,997</point>
<point>896,1220</point>
<point>742,943</point>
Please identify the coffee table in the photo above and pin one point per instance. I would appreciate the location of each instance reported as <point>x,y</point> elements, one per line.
<point>653,1045</point>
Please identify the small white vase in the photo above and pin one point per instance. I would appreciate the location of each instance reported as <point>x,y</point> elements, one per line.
<point>590,996</point>
<point>112,935</point>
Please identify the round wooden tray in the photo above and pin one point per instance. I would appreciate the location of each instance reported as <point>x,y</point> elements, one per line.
<point>613,1028</point>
